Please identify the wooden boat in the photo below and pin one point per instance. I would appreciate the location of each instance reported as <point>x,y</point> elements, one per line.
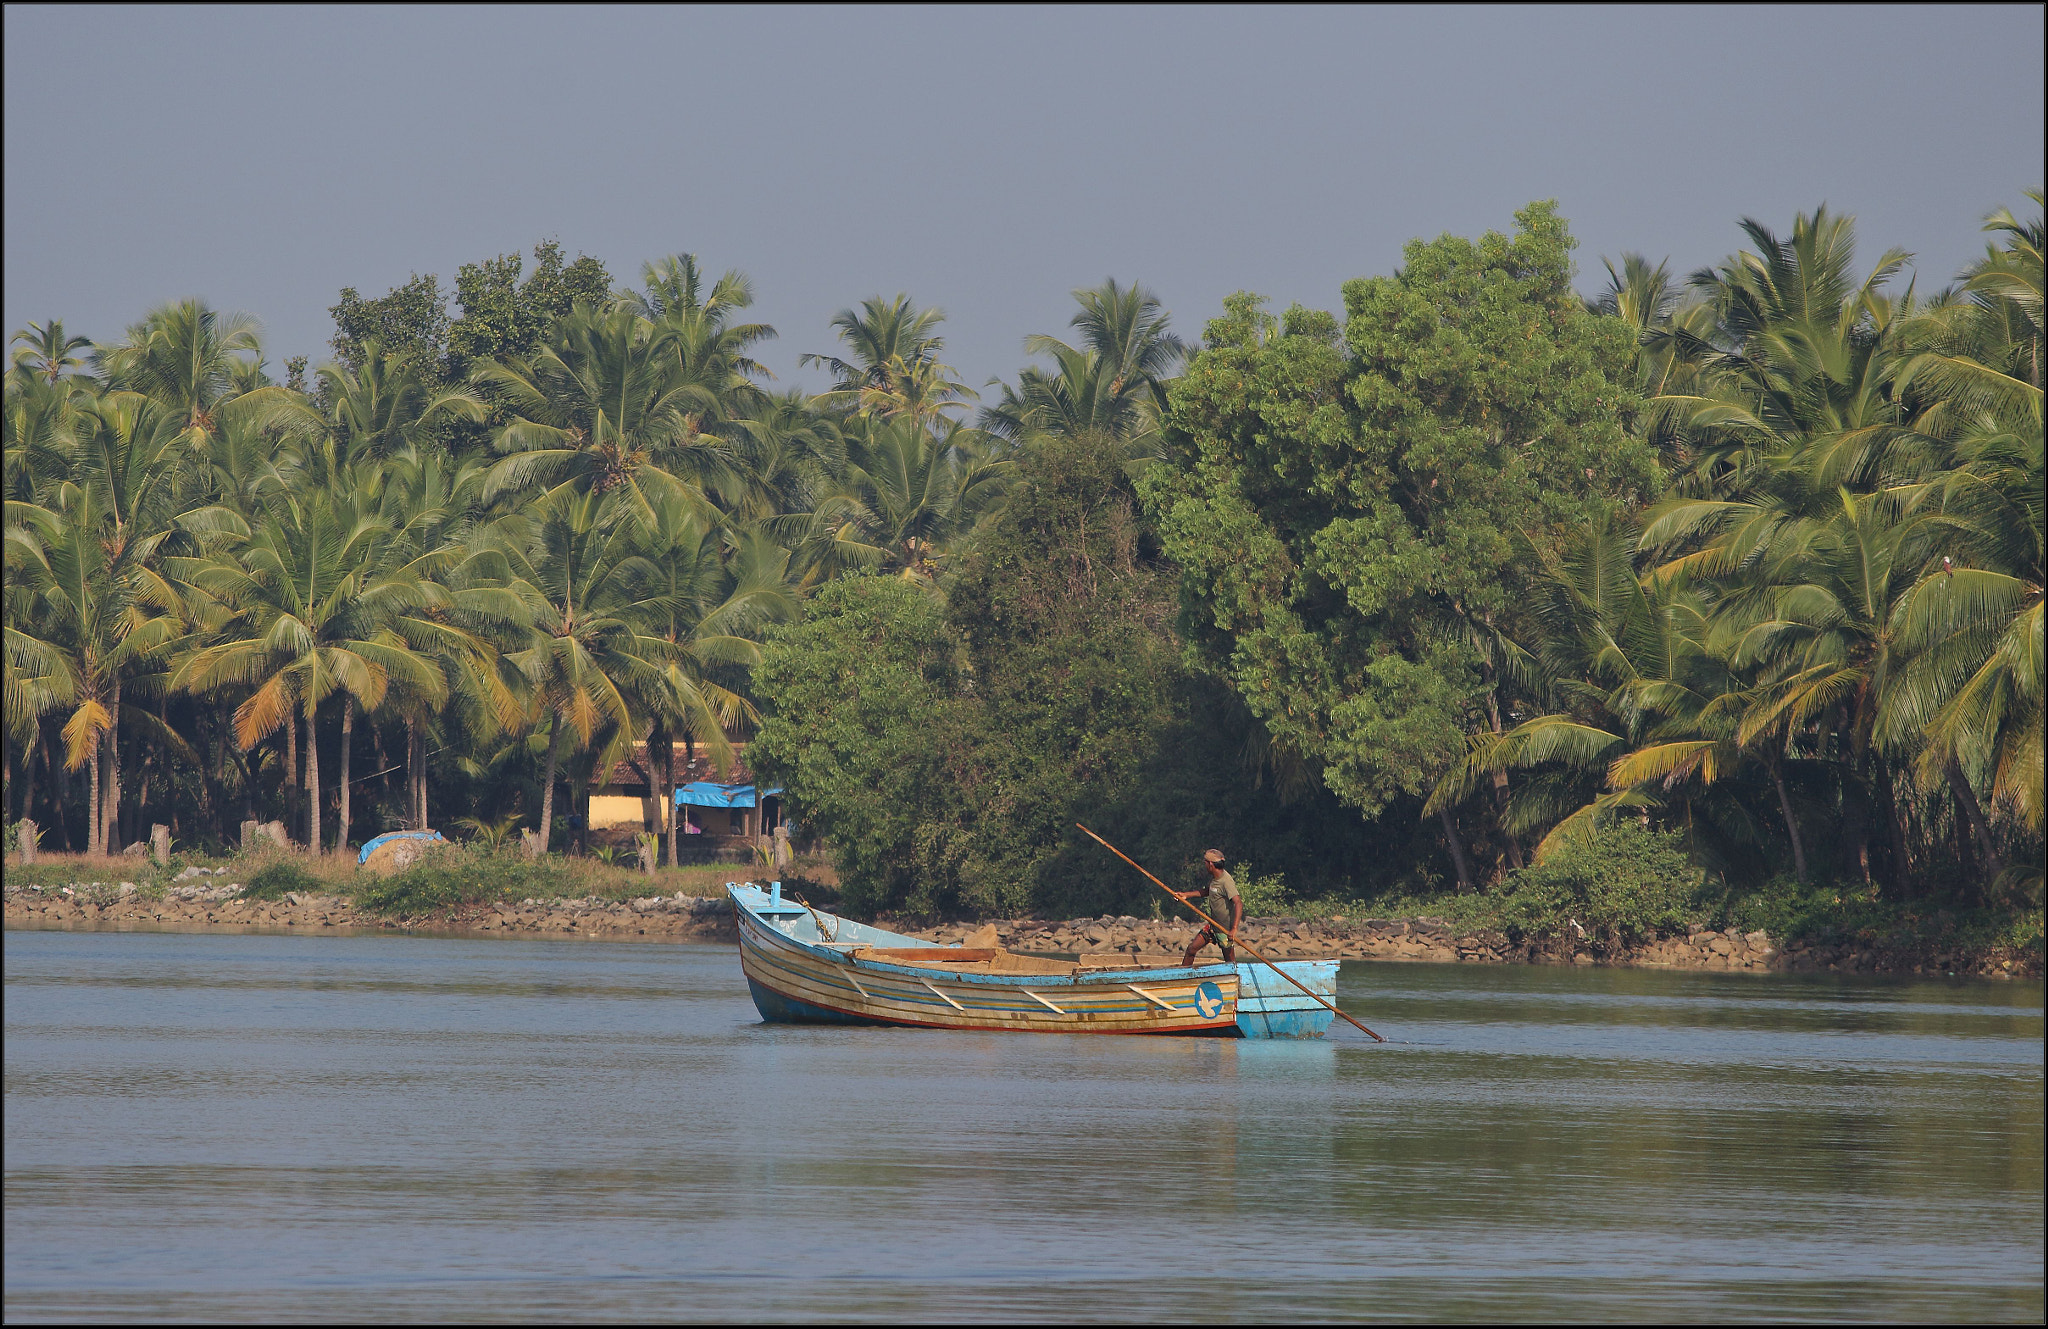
<point>806,966</point>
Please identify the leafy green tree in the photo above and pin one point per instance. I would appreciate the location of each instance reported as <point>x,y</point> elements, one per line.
<point>504,318</point>
<point>1061,615</point>
<point>409,322</point>
<point>1345,513</point>
<point>856,703</point>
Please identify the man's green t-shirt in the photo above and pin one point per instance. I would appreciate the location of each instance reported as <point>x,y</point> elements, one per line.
<point>1218,897</point>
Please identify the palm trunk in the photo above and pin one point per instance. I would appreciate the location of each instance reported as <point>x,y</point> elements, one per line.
<point>60,785</point>
<point>412,775</point>
<point>547,788</point>
<point>689,765</point>
<point>111,821</point>
<point>668,793</point>
<point>291,767</point>
<point>1895,825</point>
<point>93,843</point>
<point>1791,822</point>
<point>312,784</point>
<point>419,806</point>
<point>1500,791</point>
<point>1458,858</point>
<point>1980,831</point>
<point>1856,820</point>
<point>28,776</point>
<point>348,729</point>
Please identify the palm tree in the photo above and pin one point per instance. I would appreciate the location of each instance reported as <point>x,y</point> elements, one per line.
<point>96,624</point>
<point>1663,320</point>
<point>307,600</point>
<point>46,350</point>
<point>186,356</point>
<point>708,605</point>
<point>379,408</point>
<point>40,423</point>
<point>603,405</point>
<point>713,355</point>
<point>1974,622</point>
<point>896,495</point>
<point>1111,387</point>
<point>894,370</point>
<point>587,659</point>
<point>1797,354</point>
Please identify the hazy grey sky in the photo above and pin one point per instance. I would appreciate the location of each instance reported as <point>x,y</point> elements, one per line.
<point>986,161</point>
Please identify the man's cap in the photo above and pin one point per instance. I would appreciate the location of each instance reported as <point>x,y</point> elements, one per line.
<point>1214,855</point>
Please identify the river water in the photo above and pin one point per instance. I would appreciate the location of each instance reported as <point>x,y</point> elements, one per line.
<point>265,1127</point>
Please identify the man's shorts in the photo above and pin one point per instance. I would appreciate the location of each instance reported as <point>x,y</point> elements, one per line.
<point>1210,933</point>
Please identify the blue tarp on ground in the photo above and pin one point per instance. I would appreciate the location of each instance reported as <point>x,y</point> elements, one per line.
<point>708,794</point>
<point>371,845</point>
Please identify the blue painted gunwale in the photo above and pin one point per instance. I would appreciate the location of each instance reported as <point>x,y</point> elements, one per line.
<point>1266,1006</point>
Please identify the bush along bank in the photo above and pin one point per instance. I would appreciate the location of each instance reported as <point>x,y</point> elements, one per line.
<point>1627,897</point>
<point>215,902</point>
<point>223,905</point>
<point>1435,940</point>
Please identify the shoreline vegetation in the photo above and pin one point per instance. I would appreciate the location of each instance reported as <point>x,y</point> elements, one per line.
<point>1704,607</point>
<point>253,896</point>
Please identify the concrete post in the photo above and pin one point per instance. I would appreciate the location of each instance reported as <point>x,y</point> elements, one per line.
<point>160,842</point>
<point>249,833</point>
<point>27,847</point>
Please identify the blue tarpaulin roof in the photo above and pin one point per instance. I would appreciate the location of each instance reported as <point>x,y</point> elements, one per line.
<point>708,794</point>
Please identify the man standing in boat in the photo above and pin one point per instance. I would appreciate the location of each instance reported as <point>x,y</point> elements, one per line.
<point>1220,901</point>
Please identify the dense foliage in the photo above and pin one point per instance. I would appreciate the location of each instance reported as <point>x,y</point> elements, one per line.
<point>1601,607</point>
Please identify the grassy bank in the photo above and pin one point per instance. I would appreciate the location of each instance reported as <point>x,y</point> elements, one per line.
<point>452,877</point>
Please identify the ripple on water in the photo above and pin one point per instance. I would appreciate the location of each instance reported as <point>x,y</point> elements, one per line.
<point>413,1128</point>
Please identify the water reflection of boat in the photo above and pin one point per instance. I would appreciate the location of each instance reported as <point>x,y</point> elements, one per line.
<point>806,966</point>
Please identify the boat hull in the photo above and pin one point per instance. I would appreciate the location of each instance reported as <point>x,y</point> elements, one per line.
<point>810,968</point>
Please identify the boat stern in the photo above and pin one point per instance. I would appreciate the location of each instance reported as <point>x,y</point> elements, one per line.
<point>1268,1006</point>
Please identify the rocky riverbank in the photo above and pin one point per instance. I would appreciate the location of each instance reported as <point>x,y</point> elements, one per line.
<point>209,903</point>
<point>1433,941</point>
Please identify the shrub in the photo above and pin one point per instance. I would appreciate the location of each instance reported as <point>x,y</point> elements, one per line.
<point>1264,897</point>
<point>1626,879</point>
<point>276,878</point>
<point>452,876</point>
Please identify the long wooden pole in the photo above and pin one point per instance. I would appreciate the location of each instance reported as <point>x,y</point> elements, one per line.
<point>1313,995</point>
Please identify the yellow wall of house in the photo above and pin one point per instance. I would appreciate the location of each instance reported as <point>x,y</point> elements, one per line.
<point>610,810</point>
